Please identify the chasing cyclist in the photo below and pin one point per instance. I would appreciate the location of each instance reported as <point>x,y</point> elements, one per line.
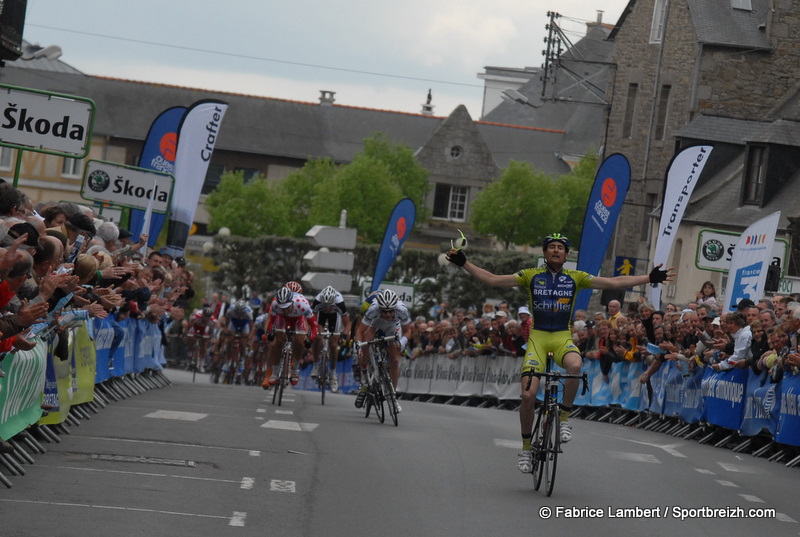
<point>332,317</point>
<point>387,315</point>
<point>239,324</point>
<point>289,311</point>
<point>551,291</point>
<point>201,329</point>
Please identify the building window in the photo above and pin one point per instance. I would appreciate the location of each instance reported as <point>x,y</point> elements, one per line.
<point>630,107</point>
<point>456,151</point>
<point>745,5</point>
<point>247,173</point>
<point>754,178</point>
<point>659,20</point>
<point>662,112</point>
<point>213,177</point>
<point>450,202</point>
<point>72,168</point>
<point>6,158</point>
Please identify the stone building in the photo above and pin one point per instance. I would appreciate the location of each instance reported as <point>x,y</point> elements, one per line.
<point>722,73</point>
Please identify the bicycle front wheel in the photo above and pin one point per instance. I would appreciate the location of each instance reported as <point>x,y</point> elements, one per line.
<point>538,432</point>
<point>380,411</point>
<point>389,395</point>
<point>553,445</point>
<point>322,376</point>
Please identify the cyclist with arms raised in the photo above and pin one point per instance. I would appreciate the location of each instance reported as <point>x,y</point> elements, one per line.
<point>551,291</point>
<point>332,316</point>
<point>387,315</point>
<point>289,311</point>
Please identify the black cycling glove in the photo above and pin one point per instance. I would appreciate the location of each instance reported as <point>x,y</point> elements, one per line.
<point>457,257</point>
<point>658,275</point>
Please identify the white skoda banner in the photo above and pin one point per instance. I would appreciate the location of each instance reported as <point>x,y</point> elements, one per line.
<point>682,176</point>
<point>197,136</point>
<point>752,256</point>
<point>126,186</point>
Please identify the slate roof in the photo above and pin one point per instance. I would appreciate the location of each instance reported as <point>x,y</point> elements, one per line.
<point>717,23</point>
<point>278,127</point>
<point>721,129</point>
<point>581,123</point>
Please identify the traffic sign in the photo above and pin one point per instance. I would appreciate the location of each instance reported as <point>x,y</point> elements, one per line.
<point>321,280</point>
<point>323,259</point>
<point>333,237</point>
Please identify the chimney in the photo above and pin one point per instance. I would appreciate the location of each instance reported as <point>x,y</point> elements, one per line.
<point>427,108</point>
<point>326,97</point>
<point>599,16</point>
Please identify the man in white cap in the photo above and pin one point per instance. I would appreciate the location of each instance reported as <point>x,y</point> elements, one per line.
<point>525,321</point>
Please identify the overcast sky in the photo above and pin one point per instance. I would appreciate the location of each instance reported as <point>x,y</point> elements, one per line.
<point>372,53</point>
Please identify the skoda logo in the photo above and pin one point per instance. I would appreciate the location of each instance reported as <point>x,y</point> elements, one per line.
<point>99,181</point>
<point>713,250</point>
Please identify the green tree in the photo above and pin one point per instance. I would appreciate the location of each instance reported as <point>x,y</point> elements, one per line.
<point>247,209</point>
<point>520,207</point>
<point>300,188</point>
<point>406,173</point>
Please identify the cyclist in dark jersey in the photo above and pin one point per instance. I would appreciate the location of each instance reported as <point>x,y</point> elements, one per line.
<point>551,291</point>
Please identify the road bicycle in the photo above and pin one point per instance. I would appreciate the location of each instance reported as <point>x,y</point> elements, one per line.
<point>236,349</point>
<point>259,366</point>
<point>380,389</point>
<point>546,431</point>
<point>324,356</point>
<point>285,365</point>
<point>199,351</point>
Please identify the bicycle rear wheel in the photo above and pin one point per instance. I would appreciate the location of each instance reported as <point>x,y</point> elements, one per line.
<point>388,394</point>
<point>553,445</point>
<point>380,411</point>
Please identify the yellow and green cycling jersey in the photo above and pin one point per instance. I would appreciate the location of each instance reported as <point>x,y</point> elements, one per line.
<point>552,295</point>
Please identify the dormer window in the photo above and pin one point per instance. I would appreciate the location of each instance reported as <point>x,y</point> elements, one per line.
<point>659,20</point>
<point>754,175</point>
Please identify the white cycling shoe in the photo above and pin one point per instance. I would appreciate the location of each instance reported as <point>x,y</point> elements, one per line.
<point>525,462</point>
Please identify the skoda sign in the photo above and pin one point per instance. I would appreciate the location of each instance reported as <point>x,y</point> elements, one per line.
<point>126,186</point>
<point>715,250</point>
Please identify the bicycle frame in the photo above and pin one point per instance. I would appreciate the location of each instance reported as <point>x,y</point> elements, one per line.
<point>379,384</point>
<point>198,357</point>
<point>546,430</point>
<point>324,357</point>
<point>285,364</point>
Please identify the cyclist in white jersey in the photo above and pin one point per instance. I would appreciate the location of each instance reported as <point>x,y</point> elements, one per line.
<point>332,316</point>
<point>386,316</point>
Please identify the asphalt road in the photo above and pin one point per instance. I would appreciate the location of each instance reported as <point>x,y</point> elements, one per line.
<point>208,460</point>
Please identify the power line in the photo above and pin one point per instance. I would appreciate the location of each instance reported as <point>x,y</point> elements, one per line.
<point>257,58</point>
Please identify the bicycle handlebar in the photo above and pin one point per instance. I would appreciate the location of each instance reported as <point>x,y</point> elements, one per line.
<point>382,339</point>
<point>557,375</point>
<point>291,332</point>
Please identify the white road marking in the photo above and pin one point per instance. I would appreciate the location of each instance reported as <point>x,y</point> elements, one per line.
<point>279,485</point>
<point>783,517</point>
<point>514,444</point>
<point>634,457</point>
<point>175,415</point>
<point>285,412</point>
<point>704,471</point>
<point>669,448</point>
<point>157,443</point>
<point>237,519</point>
<point>261,410</point>
<point>248,483</point>
<point>143,474</point>
<point>740,468</point>
<point>727,483</point>
<point>254,453</point>
<point>290,425</point>
<point>115,508</point>
<point>751,498</point>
